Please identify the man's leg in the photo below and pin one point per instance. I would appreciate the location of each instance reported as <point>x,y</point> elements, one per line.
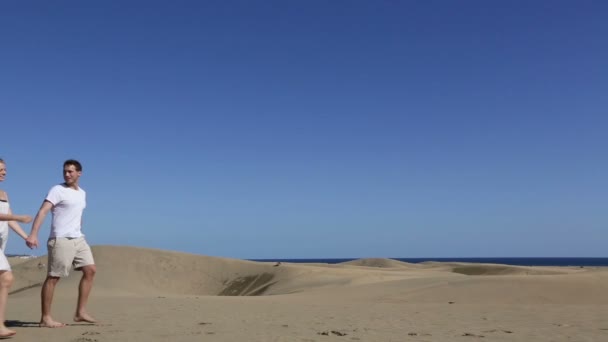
<point>6,280</point>
<point>84,289</point>
<point>48,289</point>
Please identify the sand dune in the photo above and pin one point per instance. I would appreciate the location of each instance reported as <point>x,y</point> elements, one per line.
<point>147,295</point>
<point>141,271</point>
<point>491,269</point>
<point>379,262</point>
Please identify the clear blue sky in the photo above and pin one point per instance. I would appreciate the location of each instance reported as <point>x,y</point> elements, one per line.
<point>312,129</point>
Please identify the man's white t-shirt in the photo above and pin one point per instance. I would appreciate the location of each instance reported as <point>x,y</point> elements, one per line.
<point>68,205</point>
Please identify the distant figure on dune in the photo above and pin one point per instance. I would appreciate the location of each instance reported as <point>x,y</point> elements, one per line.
<point>7,219</point>
<point>67,246</point>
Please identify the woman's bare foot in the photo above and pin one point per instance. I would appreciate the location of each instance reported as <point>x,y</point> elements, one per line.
<point>6,332</point>
<point>84,317</point>
<point>51,323</point>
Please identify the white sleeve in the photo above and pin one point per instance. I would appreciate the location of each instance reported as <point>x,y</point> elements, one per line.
<point>54,195</point>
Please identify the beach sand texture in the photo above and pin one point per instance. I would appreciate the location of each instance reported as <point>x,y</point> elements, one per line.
<point>154,295</point>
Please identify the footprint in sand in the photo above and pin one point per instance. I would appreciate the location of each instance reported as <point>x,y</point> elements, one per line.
<point>496,330</point>
<point>85,339</point>
<point>332,332</point>
<point>472,335</point>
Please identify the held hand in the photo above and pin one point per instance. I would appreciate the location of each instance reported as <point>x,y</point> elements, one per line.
<point>31,242</point>
<point>25,218</point>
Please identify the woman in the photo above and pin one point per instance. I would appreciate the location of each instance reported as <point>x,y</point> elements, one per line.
<point>7,219</point>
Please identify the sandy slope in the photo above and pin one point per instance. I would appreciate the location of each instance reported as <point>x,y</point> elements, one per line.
<point>153,295</point>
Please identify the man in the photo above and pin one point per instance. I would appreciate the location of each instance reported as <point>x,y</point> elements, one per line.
<point>66,245</point>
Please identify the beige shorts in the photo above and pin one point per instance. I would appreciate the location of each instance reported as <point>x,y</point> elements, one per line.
<point>67,252</point>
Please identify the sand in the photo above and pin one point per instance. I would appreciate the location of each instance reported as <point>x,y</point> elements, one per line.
<point>153,295</point>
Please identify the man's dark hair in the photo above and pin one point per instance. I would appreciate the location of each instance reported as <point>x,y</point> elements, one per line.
<point>74,162</point>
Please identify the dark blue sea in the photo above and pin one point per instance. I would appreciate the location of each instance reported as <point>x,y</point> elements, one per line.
<point>504,261</point>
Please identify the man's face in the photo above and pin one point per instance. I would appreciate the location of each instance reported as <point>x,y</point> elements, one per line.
<point>70,175</point>
<point>2,171</point>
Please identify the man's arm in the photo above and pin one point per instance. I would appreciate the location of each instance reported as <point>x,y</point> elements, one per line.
<point>32,240</point>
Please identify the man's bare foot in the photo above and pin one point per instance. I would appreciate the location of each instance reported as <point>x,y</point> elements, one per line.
<point>84,317</point>
<point>6,332</point>
<point>51,323</point>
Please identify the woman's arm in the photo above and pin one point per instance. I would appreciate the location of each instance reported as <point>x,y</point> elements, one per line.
<point>17,229</point>
<point>11,217</point>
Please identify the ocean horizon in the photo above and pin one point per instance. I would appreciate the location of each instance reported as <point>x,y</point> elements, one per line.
<point>514,261</point>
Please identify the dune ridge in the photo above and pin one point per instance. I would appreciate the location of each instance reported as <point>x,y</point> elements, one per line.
<point>144,271</point>
<point>380,263</point>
